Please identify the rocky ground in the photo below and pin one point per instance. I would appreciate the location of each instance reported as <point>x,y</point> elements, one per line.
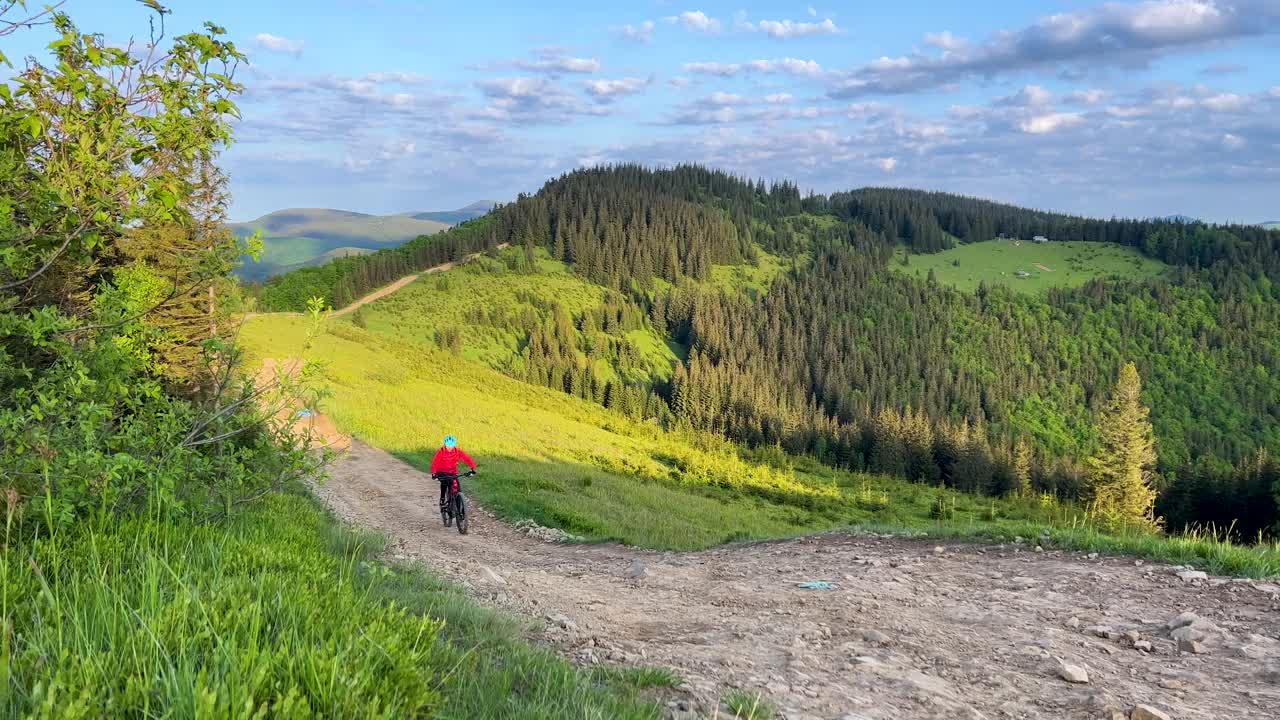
<point>907,628</point>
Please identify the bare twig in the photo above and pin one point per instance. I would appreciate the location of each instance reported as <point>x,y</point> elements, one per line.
<point>57,253</point>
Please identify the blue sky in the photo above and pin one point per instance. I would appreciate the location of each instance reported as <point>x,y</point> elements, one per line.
<point>1121,108</point>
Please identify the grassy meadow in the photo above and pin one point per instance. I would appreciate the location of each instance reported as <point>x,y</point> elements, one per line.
<point>278,612</point>
<point>1047,265</point>
<point>571,464</point>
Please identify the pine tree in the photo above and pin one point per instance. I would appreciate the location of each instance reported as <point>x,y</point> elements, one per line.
<point>1020,478</point>
<point>1119,486</point>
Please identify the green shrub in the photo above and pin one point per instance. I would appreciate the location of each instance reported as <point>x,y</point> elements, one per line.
<point>943,507</point>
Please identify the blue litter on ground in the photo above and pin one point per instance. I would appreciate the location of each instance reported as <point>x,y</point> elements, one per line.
<point>304,413</point>
<point>817,585</point>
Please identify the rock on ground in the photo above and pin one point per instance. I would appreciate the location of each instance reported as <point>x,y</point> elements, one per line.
<point>1146,712</point>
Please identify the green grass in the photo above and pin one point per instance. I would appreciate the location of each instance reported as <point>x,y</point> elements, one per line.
<point>997,262</point>
<point>276,613</point>
<point>571,464</point>
<point>751,279</point>
<point>748,705</point>
<point>488,302</point>
<point>1271,225</point>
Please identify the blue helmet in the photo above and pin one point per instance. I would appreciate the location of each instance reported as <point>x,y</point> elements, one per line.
<point>450,441</point>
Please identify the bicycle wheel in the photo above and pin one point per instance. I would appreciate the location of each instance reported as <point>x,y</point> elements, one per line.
<point>460,513</point>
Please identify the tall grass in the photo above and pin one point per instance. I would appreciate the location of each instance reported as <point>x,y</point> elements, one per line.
<point>277,613</point>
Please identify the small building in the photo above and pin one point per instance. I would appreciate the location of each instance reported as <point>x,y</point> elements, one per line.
<point>1040,239</point>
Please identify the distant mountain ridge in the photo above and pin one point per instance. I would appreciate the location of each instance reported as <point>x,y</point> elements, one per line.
<point>1271,224</point>
<point>453,217</point>
<point>298,237</point>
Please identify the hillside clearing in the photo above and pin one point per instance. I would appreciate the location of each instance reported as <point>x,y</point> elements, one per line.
<point>909,630</point>
<point>1043,265</point>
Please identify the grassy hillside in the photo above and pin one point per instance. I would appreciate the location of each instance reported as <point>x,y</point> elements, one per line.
<point>453,217</point>
<point>571,464</point>
<point>753,279</point>
<point>1046,265</point>
<point>488,303</point>
<point>301,237</point>
<point>1271,225</point>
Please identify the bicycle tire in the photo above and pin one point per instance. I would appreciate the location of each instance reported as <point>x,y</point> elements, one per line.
<point>460,513</point>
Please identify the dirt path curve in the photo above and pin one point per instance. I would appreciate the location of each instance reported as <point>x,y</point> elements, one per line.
<point>386,290</point>
<point>910,631</point>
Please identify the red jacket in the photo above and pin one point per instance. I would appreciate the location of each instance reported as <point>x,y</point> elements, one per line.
<point>446,460</point>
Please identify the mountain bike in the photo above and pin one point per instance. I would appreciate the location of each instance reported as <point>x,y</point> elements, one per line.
<point>454,510</point>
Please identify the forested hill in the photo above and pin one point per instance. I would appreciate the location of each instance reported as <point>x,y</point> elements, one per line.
<point>863,367</point>
<point>933,221</point>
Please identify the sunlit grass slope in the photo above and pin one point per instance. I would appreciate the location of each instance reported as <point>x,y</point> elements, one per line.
<point>1046,265</point>
<point>567,463</point>
<point>489,302</point>
<point>752,279</point>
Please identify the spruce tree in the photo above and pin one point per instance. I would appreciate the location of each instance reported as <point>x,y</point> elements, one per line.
<point>1020,479</point>
<point>1119,473</point>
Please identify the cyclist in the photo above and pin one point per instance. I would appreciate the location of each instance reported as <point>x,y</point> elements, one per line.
<point>444,466</point>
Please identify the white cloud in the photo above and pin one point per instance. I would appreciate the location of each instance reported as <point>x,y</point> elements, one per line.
<point>887,164</point>
<point>1087,97</point>
<point>397,150</point>
<point>712,68</point>
<point>609,90</point>
<point>723,98</point>
<point>1030,96</point>
<point>641,32</point>
<point>679,82</point>
<point>778,98</point>
<point>787,29</point>
<point>1050,122</point>
<point>276,43</point>
<point>965,112</point>
<point>531,99</point>
<point>696,20</point>
<point>790,65</point>
<point>1127,112</point>
<point>1107,34</point>
<point>1233,142</point>
<point>554,62</point>
<point>1226,102</point>
<point>945,41</point>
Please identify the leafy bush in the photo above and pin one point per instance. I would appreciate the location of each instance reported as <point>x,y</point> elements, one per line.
<point>118,381</point>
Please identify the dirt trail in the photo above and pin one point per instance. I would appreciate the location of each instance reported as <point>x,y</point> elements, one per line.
<point>910,631</point>
<point>388,289</point>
